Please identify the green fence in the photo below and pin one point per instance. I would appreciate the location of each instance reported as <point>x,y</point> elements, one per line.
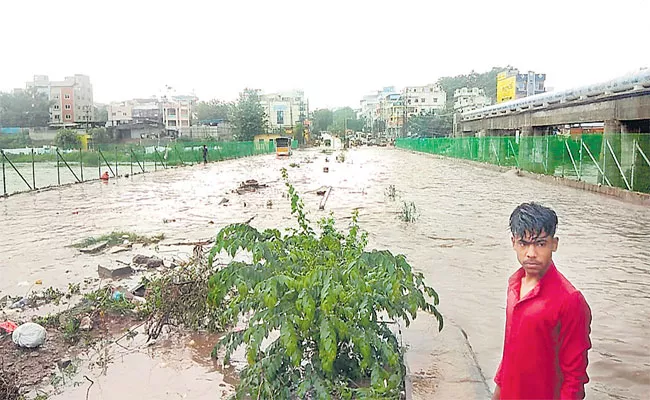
<point>610,159</point>
<point>24,172</point>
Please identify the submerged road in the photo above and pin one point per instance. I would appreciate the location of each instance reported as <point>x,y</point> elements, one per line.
<point>460,240</point>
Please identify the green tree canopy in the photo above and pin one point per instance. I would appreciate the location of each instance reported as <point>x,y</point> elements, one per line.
<point>484,80</point>
<point>100,136</point>
<point>213,109</point>
<point>430,125</point>
<point>24,109</point>
<point>249,118</point>
<point>101,113</point>
<point>344,118</point>
<point>323,118</point>
<point>67,139</point>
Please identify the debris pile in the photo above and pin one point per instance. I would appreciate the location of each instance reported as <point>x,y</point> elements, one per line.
<point>249,186</point>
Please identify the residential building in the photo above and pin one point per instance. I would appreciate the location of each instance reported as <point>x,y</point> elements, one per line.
<point>285,109</point>
<point>421,100</point>
<point>513,85</point>
<point>177,113</point>
<point>371,106</point>
<point>72,99</point>
<point>468,99</point>
<point>119,114</point>
<point>146,110</point>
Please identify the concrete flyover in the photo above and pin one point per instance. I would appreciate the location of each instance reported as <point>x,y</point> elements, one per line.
<point>622,104</point>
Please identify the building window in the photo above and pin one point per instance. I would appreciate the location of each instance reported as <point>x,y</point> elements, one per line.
<point>67,106</point>
<point>421,100</point>
<point>280,117</point>
<point>57,117</point>
<point>435,99</point>
<point>56,107</point>
<point>171,123</point>
<point>113,114</point>
<point>68,116</point>
<point>66,96</point>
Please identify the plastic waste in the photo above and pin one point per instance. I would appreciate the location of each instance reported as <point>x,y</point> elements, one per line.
<point>118,295</point>
<point>29,335</point>
<point>19,304</point>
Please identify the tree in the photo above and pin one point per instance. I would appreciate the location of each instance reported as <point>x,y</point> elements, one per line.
<point>299,132</point>
<point>322,120</point>
<point>345,118</point>
<point>101,113</point>
<point>100,135</point>
<point>67,139</point>
<point>484,80</point>
<point>430,125</point>
<point>24,109</point>
<point>213,110</point>
<point>14,141</point>
<point>249,118</point>
<point>379,126</point>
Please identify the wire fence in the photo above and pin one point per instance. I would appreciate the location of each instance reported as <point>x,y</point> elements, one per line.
<point>607,159</point>
<point>32,169</point>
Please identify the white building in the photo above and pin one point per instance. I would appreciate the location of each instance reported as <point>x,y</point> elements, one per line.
<point>177,113</point>
<point>119,113</point>
<point>468,99</point>
<point>285,109</point>
<point>422,100</point>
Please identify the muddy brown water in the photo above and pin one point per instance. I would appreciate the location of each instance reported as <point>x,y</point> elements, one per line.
<point>460,241</point>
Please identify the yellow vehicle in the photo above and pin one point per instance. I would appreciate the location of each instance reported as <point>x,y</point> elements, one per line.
<point>283,146</point>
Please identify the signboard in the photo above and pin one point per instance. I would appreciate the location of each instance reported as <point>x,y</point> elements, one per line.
<point>506,87</point>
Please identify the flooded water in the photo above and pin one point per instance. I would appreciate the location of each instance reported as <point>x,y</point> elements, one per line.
<point>460,241</point>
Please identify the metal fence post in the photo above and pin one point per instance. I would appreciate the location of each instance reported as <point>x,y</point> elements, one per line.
<point>4,177</point>
<point>116,162</point>
<point>131,160</point>
<point>99,163</point>
<point>33,172</point>
<point>604,160</point>
<point>580,159</point>
<point>58,172</point>
<point>81,163</point>
<point>633,165</point>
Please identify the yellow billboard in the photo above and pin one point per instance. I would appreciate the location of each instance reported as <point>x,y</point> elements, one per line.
<point>506,87</point>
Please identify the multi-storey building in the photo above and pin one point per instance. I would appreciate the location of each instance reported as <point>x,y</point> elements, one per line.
<point>119,114</point>
<point>285,109</point>
<point>422,100</point>
<point>72,99</point>
<point>513,85</point>
<point>468,99</point>
<point>177,113</point>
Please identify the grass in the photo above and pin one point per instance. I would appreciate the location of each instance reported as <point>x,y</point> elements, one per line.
<point>118,237</point>
<point>391,192</point>
<point>409,212</point>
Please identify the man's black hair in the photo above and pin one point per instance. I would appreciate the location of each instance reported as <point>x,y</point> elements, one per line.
<point>532,219</point>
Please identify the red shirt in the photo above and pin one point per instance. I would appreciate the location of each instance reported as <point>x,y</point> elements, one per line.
<point>546,340</point>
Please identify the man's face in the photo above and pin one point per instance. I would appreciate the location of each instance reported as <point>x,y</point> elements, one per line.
<point>535,253</point>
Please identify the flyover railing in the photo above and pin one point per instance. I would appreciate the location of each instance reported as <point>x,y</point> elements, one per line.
<point>32,169</point>
<point>621,160</point>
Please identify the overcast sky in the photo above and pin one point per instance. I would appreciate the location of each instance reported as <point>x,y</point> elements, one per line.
<point>336,51</point>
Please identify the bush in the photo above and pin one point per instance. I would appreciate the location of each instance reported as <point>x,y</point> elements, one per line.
<point>67,139</point>
<point>327,297</point>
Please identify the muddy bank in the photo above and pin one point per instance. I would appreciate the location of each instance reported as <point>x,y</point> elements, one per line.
<point>460,241</point>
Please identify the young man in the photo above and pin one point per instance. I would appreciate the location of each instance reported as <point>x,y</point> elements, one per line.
<point>205,154</point>
<point>547,318</point>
